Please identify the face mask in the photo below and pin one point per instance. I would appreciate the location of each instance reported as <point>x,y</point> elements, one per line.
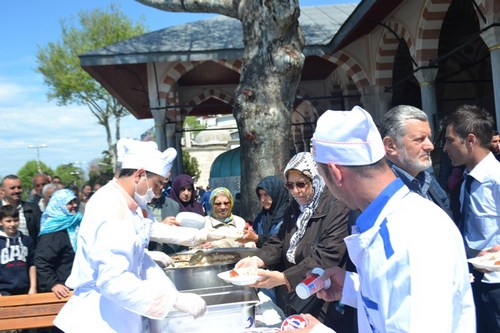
<point>144,199</point>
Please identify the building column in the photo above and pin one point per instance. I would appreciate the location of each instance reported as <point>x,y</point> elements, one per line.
<point>426,78</point>
<point>376,101</point>
<point>174,143</point>
<point>159,118</point>
<point>492,39</point>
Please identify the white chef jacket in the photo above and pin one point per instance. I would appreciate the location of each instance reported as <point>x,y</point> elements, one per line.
<point>412,269</point>
<point>116,285</point>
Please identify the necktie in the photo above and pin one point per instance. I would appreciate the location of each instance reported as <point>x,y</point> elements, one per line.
<point>465,204</point>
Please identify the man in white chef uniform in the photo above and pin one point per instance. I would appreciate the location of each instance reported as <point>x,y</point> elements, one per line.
<point>117,285</point>
<point>412,274</point>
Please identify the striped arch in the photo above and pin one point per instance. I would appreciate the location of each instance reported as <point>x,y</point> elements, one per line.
<point>211,93</point>
<point>200,98</point>
<point>386,53</point>
<point>347,64</point>
<point>181,68</point>
<point>431,20</point>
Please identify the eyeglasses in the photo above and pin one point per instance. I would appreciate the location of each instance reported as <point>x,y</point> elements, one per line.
<point>300,185</point>
<point>227,203</point>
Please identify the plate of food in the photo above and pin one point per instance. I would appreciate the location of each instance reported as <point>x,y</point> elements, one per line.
<point>190,220</point>
<point>240,276</point>
<point>489,262</point>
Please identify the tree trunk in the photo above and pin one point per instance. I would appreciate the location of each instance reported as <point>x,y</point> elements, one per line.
<point>272,65</point>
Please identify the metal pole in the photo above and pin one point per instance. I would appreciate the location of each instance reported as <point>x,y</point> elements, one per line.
<point>38,155</point>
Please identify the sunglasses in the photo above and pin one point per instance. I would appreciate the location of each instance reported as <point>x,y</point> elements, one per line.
<point>222,203</point>
<point>300,185</point>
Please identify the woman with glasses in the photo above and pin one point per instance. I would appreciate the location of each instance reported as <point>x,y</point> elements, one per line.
<point>312,235</point>
<point>223,222</point>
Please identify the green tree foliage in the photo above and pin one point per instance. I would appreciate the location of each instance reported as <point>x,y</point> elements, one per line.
<point>190,165</point>
<point>70,174</point>
<point>68,83</point>
<point>28,171</point>
<point>193,123</point>
<point>101,170</point>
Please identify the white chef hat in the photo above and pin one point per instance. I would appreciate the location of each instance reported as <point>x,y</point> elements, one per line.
<point>133,154</point>
<point>347,138</point>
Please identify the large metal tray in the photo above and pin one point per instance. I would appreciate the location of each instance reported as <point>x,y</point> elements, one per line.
<point>201,277</point>
<point>230,309</point>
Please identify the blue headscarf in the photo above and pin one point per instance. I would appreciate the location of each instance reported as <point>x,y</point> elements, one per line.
<point>57,217</point>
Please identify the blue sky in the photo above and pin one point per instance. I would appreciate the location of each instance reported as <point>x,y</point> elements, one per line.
<point>26,116</point>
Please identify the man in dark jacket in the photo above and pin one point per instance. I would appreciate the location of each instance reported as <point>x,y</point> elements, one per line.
<point>407,138</point>
<point>29,212</point>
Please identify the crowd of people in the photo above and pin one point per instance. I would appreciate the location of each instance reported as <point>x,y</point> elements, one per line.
<point>364,205</point>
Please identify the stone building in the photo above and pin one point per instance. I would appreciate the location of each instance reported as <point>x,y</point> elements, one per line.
<point>433,54</point>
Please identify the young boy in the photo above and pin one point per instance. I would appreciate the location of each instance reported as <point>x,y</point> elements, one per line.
<point>17,252</point>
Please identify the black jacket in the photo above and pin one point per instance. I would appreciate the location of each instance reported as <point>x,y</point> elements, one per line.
<point>328,252</point>
<point>53,259</point>
<point>33,216</point>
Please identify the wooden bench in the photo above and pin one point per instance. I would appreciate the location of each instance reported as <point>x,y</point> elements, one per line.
<point>29,311</point>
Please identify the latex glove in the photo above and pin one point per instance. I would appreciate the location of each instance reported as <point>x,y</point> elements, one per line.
<point>191,303</point>
<point>161,258</point>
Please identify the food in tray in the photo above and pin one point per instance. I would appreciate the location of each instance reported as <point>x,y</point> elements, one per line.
<point>182,260</point>
<point>233,273</point>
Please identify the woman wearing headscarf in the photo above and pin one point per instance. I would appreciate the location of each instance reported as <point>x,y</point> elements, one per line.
<point>221,219</point>
<point>273,198</point>
<point>312,235</point>
<point>183,192</point>
<point>57,242</point>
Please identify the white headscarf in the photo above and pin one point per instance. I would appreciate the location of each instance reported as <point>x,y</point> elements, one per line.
<point>304,163</point>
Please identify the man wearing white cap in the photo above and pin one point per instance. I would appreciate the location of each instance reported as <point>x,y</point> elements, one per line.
<point>412,273</point>
<point>117,286</point>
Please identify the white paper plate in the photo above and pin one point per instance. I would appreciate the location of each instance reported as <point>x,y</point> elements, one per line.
<point>190,220</point>
<point>241,280</point>
<point>487,262</point>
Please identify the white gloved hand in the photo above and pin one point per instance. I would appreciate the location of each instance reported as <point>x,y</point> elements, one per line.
<point>160,258</point>
<point>191,303</point>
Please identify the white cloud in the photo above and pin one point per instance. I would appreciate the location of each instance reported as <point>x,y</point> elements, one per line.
<point>71,133</point>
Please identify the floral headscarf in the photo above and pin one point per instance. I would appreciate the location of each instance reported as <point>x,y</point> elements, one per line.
<point>57,217</point>
<point>225,192</point>
<point>304,163</point>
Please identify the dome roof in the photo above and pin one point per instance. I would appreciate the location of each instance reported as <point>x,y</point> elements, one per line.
<point>212,137</point>
<point>226,164</point>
